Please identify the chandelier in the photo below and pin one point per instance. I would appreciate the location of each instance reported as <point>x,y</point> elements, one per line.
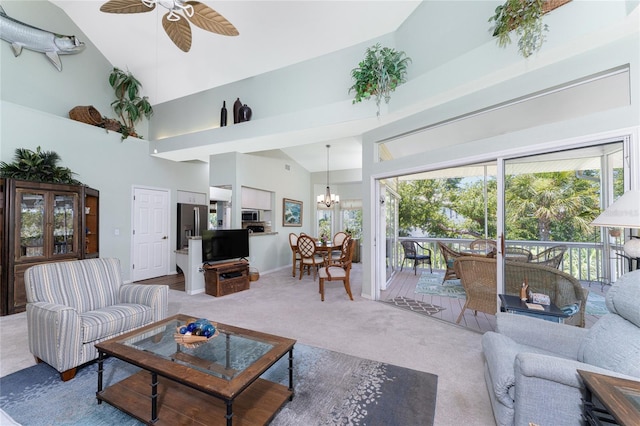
<point>328,199</point>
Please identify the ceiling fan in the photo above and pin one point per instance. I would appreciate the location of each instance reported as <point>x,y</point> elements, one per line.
<point>174,22</point>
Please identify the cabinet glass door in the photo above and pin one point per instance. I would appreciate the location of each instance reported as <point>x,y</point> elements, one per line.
<point>64,211</point>
<point>31,224</point>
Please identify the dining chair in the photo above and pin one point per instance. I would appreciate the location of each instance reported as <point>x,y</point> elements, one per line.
<point>308,256</point>
<point>415,251</point>
<point>338,269</point>
<point>338,239</point>
<point>293,243</point>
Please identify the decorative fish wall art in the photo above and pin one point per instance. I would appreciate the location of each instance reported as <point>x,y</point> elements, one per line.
<point>21,35</point>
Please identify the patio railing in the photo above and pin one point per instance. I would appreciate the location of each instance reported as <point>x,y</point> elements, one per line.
<point>583,261</point>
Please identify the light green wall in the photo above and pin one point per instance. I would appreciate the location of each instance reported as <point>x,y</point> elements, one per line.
<point>268,252</point>
<point>36,99</point>
<point>102,161</point>
<point>32,81</point>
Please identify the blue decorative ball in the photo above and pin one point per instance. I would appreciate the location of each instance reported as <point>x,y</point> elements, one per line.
<point>183,330</point>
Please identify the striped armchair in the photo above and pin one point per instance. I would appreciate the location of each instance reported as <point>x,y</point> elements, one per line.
<point>71,306</point>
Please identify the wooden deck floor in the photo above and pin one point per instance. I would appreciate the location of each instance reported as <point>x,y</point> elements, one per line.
<point>404,285</point>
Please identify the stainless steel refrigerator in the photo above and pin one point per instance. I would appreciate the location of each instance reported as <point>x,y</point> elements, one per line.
<point>192,221</point>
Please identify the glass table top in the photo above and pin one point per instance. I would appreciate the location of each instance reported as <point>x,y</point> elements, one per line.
<point>224,356</point>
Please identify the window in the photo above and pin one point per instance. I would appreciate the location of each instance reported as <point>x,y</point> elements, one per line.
<point>325,223</point>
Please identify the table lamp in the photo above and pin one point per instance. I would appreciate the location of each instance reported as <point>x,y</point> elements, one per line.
<point>623,213</point>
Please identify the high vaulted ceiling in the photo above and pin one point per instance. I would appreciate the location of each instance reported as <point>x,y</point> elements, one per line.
<point>273,34</point>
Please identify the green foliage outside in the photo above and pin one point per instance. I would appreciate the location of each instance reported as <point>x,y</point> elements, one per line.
<point>352,222</point>
<point>555,206</point>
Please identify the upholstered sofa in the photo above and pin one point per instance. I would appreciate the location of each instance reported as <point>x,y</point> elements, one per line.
<point>531,365</point>
<point>73,305</point>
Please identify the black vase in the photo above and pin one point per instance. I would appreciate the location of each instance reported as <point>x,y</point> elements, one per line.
<point>223,114</point>
<point>244,113</point>
<point>236,111</point>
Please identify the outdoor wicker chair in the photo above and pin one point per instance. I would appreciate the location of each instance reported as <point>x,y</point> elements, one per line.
<point>483,244</point>
<point>517,254</point>
<point>564,290</point>
<point>477,274</point>
<point>450,257</point>
<point>415,251</point>
<point>551,257</point>
<point>478,277</point>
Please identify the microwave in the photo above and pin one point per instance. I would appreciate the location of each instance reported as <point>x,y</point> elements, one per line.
<point>250,216</point>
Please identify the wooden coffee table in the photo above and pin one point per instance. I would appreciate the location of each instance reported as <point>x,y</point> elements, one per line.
<point>216,382</point>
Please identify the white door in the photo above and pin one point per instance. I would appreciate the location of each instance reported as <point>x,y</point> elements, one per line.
<point>150,233</point>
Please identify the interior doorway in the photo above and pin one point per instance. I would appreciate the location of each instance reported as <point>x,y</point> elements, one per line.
<point>150,233</point>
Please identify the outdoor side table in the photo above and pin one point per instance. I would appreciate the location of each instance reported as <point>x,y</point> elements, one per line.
<point>514,305</point>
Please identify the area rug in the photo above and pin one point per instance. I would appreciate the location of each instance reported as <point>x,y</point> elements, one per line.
<point>415,305</point>
<point>432,284</point>
<point>596,305</point>
<point>331,388</point>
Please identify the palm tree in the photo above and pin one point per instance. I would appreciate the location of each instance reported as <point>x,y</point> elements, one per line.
<point>556,201</point>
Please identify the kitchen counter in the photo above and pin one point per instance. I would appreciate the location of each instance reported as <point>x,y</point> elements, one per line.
<point>260,234</point>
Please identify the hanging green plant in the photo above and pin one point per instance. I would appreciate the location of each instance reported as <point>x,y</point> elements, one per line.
<point>37,166</point>
<point>382,70</point>
<point>129,105</point>
<point>525,18</point>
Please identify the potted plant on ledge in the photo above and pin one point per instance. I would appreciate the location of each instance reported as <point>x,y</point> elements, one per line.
<point>378,74</point>
<point>525,18</point>
<point>129,105</point>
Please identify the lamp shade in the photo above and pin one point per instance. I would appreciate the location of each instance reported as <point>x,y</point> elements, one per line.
<point>623,213</point>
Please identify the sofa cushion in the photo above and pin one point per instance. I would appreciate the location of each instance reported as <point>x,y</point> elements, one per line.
<point>113,320</point>
<point>500,354</point>
<point>612,343</point>
<point>624,298</point>
<point>84,285</point>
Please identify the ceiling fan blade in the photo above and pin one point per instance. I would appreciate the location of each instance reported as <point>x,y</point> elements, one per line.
<point>210,20</point>
<point>125,6</point>
<point>178,31</point>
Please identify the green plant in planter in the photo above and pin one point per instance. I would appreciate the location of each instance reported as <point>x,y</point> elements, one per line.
<point>378,74</point>
<point>37,166</point>
<point>129,106</point>
<point>525,18</point>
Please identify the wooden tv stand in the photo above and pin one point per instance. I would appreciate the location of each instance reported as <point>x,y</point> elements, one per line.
<point>225,278</point>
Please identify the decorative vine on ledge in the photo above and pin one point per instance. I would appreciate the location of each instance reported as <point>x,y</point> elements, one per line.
<point>524,17</point>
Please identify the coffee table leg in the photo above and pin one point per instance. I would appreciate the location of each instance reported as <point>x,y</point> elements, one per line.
<point>154,397</point>
<point>100,365</point>
<point>229,415</point>
<point>291,374</point>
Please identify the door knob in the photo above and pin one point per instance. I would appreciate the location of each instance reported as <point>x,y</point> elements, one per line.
<point>164,238</point>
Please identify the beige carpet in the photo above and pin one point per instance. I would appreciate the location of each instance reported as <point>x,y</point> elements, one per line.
<point>282,305</point>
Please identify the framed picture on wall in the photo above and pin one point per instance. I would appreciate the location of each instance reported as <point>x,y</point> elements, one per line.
<point>291,212</point>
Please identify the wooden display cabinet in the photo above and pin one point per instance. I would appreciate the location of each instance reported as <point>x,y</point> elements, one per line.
<point>42,223</point>
<point>226,278</point>
<point>91,222</point>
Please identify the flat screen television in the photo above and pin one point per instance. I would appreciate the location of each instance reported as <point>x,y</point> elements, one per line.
<point>225,244</point>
